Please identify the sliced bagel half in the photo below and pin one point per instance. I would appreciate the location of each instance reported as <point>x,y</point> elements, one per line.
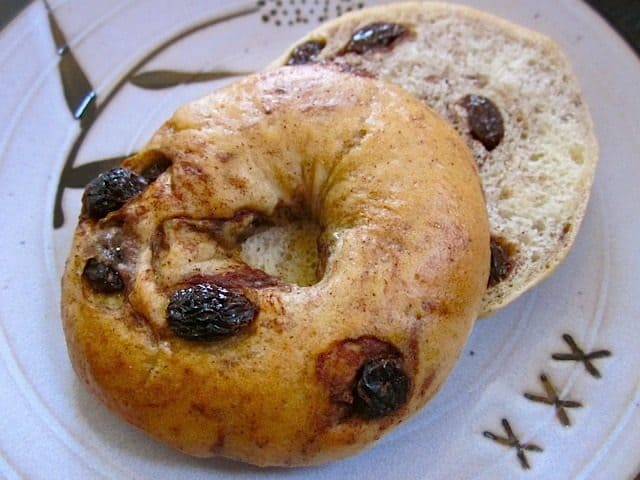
<point>510,92</point>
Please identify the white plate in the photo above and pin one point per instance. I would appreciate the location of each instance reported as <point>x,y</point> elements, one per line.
<point>51,428</point>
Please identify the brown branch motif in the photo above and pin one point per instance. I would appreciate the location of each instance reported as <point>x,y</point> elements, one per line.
<point>159,79</point>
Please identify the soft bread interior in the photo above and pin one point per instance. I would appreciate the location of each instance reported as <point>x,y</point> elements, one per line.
<point>537,180</point>
<point>288,252</point>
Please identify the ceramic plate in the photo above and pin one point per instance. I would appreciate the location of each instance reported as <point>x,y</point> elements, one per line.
<point>549,388</point>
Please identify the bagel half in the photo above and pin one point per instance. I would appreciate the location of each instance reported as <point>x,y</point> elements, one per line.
<point>537,174</point>
<point>170,325</point>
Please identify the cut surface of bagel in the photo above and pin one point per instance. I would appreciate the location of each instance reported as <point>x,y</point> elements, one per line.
<point>184,313</point>
<point>510,93</point>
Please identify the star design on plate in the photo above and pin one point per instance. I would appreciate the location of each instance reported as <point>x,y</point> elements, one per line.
<point>553,399</point>
<point>512,441</point>
<point>578,355</point>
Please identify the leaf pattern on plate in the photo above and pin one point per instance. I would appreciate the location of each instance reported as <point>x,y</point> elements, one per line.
<point>78,177</point>
<point>81,97</point>
<point>159,79</point>
<point>78,92</point>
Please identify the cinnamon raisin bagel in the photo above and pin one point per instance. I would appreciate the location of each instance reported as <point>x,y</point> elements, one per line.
<point>510,93</point>
<point>172,324</point>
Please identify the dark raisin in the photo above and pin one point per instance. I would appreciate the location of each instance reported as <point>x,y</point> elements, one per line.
<point>101,277</point>
<point>381,389</point>
<point>156,168</point>
<point>208,312</point>
<point>110,191</point>
<point>485,120</point>
<point>306,52</point>
<point>374,36</point>
<point>501,261</point>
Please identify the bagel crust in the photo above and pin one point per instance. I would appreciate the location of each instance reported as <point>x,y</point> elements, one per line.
<point>403,261</point>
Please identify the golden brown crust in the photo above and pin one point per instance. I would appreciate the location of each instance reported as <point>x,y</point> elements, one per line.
<point>407,254</point>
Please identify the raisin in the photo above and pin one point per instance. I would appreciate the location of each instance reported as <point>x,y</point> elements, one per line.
<point>208,312</point>
<point>306,52</point>
<point>156,168</point>
<point>101,277</point>
<point>381,389</point>
<point>501,262</point>
<point>374,36</point>
<point>485,120</point>
<point>110,191</point>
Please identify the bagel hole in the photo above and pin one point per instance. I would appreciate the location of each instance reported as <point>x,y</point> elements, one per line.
<point>150,164</point>
<point>288,252</point>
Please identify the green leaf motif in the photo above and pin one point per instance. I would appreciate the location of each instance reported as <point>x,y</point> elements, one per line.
<point>159,79</point>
